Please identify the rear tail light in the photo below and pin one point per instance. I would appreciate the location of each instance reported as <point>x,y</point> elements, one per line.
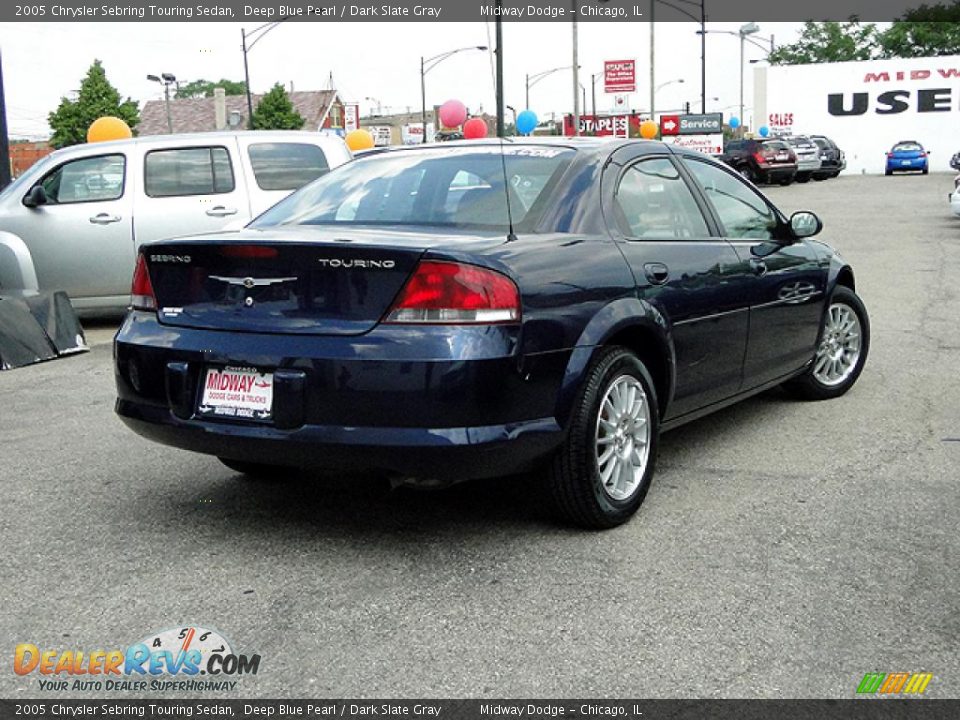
<point>141,292</point>
<point>889,154</point>
<point>760,158</point>
<point>456,294</point>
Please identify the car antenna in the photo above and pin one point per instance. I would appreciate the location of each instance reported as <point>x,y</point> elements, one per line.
<point>506,191</point>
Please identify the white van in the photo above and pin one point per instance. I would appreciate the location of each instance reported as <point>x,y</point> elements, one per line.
<point>75,219</point>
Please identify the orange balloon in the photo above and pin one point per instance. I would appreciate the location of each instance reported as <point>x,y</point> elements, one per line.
<point>648,129</point>
<point>108,128</point>
<point>359,140</point>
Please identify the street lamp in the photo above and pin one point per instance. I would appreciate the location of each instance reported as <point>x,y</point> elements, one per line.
<point>428,64</point>
<point>255,36</point>
<point>743,33</point>
<point>378,104</point>
<point>165,79</point>
<point>537,77</point>
<point>702,19</point>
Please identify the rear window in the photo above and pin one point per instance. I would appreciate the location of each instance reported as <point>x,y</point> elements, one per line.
<point>188,171</point>
<point>446,187</point>
<point>774,145</point>
<point>286,166</point>
<point>907,147</point>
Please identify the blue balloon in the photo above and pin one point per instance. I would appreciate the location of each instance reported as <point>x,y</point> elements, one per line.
<point>764,131</point>
<point>734,123</point>
<point>526,122</point>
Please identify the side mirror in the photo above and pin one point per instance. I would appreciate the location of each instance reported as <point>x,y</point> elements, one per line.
<point>36,197</point>
<point>805,224</point>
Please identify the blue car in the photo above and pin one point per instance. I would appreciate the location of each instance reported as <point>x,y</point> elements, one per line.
<point>907,156</point>
<point>473,309</point>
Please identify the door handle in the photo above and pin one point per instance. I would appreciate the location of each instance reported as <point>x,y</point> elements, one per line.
<point>759,267</point>
<point>104,219</point>
<point>657,273</point>
<point>221,211</point>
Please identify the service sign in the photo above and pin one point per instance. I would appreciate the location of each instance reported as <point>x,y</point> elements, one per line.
<point>708,144</point>
<point>620,76</point>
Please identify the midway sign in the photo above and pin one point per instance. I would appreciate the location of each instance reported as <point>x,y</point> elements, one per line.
<point>708,124</point>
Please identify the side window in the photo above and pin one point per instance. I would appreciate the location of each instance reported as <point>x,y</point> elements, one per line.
<point>286,166</point>
<point>87,180</point>
<point>188,171</point>
<point>742,212</point>
<point>653,201</point>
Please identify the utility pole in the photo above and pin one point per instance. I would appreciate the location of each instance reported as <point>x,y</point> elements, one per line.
<point>499,34</point>
<point>703,56</point>
<point>653,75</point>
<point>576,72</point>
<point>246,80</point>
<point>4,140</point>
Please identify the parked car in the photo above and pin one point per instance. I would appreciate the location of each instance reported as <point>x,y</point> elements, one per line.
<point>955,161</point>
<point>808,156</point>
<point>907,156</point>
<point>833,161</point>
<point>74,220</point>
<point>955,196</point>
<point>413,313</point>
<point>762,161</point>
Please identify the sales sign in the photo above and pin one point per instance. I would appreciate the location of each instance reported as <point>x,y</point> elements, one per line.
<point>620,76</point>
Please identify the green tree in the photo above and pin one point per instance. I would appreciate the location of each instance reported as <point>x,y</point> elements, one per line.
<point>924,32</point>
<point>204,88</point>
<point>276,112</point>
<point>97,97</point>
<point>829,42</point>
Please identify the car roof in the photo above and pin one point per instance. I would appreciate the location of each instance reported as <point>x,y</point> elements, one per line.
<point>201,138</point>
<point>587,145</point>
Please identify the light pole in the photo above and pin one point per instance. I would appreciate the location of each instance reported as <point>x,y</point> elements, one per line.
<point>537,77</point>
<point>165,79</point>
<point>702,19</point>
<point>428,64</point>
<point>255,36</point>
<point>378,104</point>
<point>748,29</point>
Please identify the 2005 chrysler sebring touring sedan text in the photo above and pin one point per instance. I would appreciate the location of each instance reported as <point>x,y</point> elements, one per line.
<point>476,309</point>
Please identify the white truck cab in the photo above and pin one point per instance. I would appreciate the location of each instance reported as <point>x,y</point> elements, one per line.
<point>75,220</point>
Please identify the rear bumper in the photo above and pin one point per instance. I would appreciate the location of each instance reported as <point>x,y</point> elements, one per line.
<point>457,403</point>
<point>776,174</point>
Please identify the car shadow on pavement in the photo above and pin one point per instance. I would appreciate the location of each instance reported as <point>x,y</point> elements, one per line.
<point>366,504</point>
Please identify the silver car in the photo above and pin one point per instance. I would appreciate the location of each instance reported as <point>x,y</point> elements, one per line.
<point>75,219</point>
<point>808,156</point>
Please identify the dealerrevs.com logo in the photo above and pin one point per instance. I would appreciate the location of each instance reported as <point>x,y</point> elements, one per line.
<point>190,658</point>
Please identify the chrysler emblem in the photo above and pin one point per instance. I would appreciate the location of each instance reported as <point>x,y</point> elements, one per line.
<point>249,282</point>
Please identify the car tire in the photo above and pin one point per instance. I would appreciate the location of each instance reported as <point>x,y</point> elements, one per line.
<point>261,471</point>
<point>888,173</point>
<point>748,173</point>
<point>821,178</point>
<point>926,171</point>
<point>842,349</point>
<point>802,177</point>
<point>786,181</point>
<point>600,475</point>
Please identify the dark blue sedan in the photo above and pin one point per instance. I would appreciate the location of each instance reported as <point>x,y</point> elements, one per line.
<point>473,309</point>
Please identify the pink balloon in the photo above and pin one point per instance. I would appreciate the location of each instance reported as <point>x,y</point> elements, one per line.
<point>453,113</point>
<point>474,129</point>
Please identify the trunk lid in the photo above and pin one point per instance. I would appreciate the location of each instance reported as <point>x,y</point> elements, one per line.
<point>291,280</point>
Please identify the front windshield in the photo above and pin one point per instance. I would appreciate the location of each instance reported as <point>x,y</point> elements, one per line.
<point>445,187</point>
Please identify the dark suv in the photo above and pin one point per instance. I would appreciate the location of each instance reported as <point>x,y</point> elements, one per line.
<point>762,161</point>
<point>832,159</point>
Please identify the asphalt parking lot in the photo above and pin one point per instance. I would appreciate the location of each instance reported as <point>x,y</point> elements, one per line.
<point>785,548</point>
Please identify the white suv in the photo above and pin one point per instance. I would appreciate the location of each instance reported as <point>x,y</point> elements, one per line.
<point>75,219</point>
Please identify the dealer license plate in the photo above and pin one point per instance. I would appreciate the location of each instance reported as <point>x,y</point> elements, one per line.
<point>782,156</point>
<point>237,392</point>
<point>906,162</point>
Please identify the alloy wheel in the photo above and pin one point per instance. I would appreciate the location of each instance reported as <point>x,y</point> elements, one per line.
<point>622,447</point>
<point>839,349</point>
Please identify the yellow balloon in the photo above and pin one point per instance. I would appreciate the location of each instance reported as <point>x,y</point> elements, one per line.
<point>648,129</point>
<point>108,128</point>
<point>359,140</point>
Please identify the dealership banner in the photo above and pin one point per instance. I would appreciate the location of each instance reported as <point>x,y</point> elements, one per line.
<point>478,709</point>
<point>443,10</point>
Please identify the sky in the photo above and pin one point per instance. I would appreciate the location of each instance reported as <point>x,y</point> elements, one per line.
<point>376,63</point>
